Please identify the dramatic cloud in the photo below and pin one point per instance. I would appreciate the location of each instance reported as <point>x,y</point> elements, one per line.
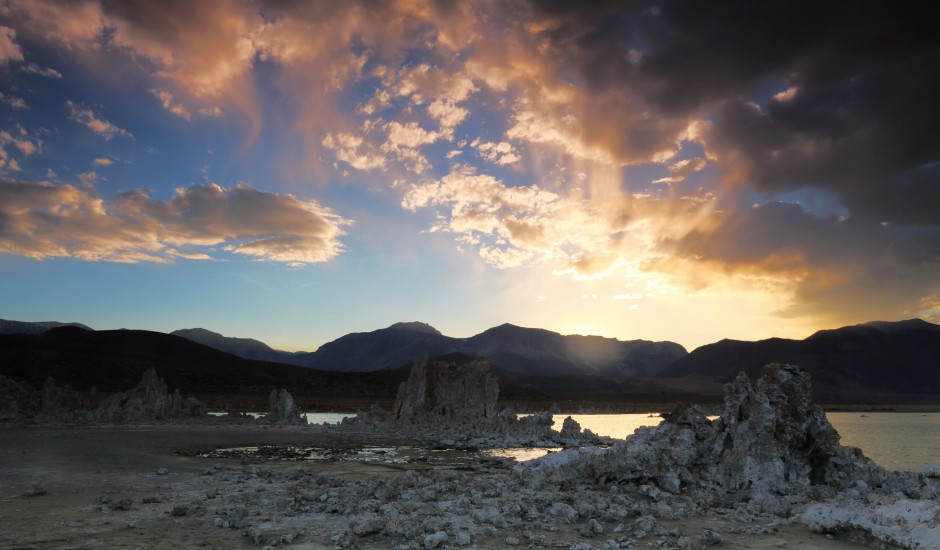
<point>793,143</point>
<point>97,125</point>
<point>843,269</point>
<point>41,220</point>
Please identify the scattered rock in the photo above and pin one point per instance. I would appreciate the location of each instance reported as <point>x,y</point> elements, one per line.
<point>434,540</point>
<point>709,537</point>
<point>35,490</point>
<point>122,505</point>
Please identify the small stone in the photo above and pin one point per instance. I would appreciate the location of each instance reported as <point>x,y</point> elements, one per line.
<point>512,541</point>
<point>710,536</point>
<point>434,540</point>
<point>257,535</point>
<point>122,505</point>
<point>104,499</point>
<point>35,490</point>
<point>162,472</point>
<point>596,527</point>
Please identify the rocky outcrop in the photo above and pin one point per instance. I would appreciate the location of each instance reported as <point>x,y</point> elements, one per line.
<point>283,409</point>
<point>447,391</point>
<point>771,449</point>
<point>455,405</point>
<point>148,401</point>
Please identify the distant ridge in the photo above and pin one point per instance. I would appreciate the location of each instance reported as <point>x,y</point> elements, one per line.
<point>247,348</point>
<point>114,360</point>
<point>876,362</point>
<point>24,327</point>
<point>885,357</point>
<point>511,349</point>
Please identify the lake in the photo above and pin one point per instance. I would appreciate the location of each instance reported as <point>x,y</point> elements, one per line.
<point>894,440</point>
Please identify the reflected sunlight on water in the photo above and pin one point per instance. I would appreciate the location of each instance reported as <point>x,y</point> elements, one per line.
<point>894,440</point>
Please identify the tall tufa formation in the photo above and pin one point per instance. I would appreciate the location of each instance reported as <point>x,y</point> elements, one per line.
<point>148,401</point>
<point>448,391</point>
<point>283,408</point>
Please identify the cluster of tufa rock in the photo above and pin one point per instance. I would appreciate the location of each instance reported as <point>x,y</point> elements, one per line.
<point>446,391</point>
<point>150,400</point>
<point>771,449</point>
<point>456,405</point>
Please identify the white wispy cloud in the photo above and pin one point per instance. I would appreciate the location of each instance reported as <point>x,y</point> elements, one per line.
<point>46,72</point>
<point>102,127</point>
<point>17,103</point>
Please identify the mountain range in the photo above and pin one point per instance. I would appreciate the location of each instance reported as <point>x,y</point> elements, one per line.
<point>246,348</point>
<point>22,327</point>
<point>879,357</point>
<point>877,361</point>
<point>115,360</point>
<point>510,349</point>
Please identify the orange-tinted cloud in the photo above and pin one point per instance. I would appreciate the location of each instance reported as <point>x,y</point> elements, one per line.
<point>555,99</point>
<point>41,220</point>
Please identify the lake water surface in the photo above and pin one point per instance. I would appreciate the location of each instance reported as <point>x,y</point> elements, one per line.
<point>894,440</point>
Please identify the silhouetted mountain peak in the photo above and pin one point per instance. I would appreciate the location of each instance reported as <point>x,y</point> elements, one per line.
<point>25,327</point>
<point>416,326</point>
<point>247,348</point>
<point>880,327</point>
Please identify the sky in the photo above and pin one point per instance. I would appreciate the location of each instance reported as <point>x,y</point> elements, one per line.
<point>295,171</point>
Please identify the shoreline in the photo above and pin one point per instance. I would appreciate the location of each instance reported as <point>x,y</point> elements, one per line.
<point>127,486</point>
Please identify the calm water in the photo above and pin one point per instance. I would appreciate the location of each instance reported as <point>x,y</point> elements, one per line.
<point>897,441</point>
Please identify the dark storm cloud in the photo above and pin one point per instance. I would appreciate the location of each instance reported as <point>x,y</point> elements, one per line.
<point>842,269</point>
<point>836,98</point>
<point>863,117</point>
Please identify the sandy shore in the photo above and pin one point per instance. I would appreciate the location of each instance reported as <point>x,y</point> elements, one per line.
<point>140,487</point>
